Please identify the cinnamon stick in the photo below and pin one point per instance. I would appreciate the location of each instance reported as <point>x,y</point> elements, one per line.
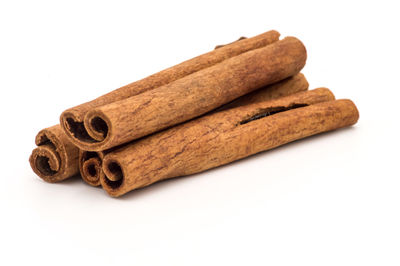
<point>56,158</point>
<point>72,119</point>
<point>90,163</point>
<point>280,89</point>
<point>191,96</point>
<point>223,137</point>
<point>90,166</point>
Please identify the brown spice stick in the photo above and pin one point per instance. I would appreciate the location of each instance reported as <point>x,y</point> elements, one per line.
<point>56,158</point>
<point>90,162</point>
<point>224,137</point>
<point>73,117</point>
<point>190,96</point>
<point>277,90</point>
<point>90,166</point>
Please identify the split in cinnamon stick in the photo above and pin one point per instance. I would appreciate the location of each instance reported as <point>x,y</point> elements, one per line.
<point>56,158</point>
<point>223,137</point>
<point>90,163</point>
<point>191,96</point>
<point>72,119</point>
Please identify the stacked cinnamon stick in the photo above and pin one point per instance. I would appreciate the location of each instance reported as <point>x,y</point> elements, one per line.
<point>237,100</point>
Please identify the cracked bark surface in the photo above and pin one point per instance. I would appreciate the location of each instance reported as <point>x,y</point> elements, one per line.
<point>219,138</point>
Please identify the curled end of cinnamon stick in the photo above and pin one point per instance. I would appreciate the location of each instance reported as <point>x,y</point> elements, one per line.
<point>96,124</point>
<point>113,178</point>
<point>90,167</point>
<point>55,158</point>
<point>74,127</point>
<point>88,133</point>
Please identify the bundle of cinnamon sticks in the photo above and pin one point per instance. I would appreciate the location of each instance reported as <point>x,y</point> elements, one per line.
<point>240,99</point>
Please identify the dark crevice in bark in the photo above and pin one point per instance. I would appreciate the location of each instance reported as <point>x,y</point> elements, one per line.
<point>271,111</point>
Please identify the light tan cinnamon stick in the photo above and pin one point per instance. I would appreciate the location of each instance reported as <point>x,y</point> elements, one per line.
<point>224,137</point>
<point>188,97</point>
<point>291,85</point>
<point>56,158</point>
<point>90,162</point>
<point>72,119</point>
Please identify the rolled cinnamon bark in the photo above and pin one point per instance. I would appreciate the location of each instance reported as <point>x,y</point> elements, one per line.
<point>291,85</point>
<point>224,137</point>
<point>188,97</point>
<point>56,158</point>
<point>90,162</point>
<point>90,166</point>
<point>72,119</point>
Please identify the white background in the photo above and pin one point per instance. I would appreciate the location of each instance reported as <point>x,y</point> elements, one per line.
<point>333,199</point>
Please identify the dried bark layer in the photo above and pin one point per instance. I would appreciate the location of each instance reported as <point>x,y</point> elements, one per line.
<point>90,163</point>
<point>72,119</point>
<point>291,85</point>
<point>56,158</point>
<point>223,137</point>
<point>191,96</point>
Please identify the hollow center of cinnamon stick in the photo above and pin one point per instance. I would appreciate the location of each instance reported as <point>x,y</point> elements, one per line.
<point>79,130</point>
<point>92,170</point>
<point>43,165</point>
<point>116,171</point>
<point>99,125</point>
<point>114,175</point>
<point>271,111</point>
